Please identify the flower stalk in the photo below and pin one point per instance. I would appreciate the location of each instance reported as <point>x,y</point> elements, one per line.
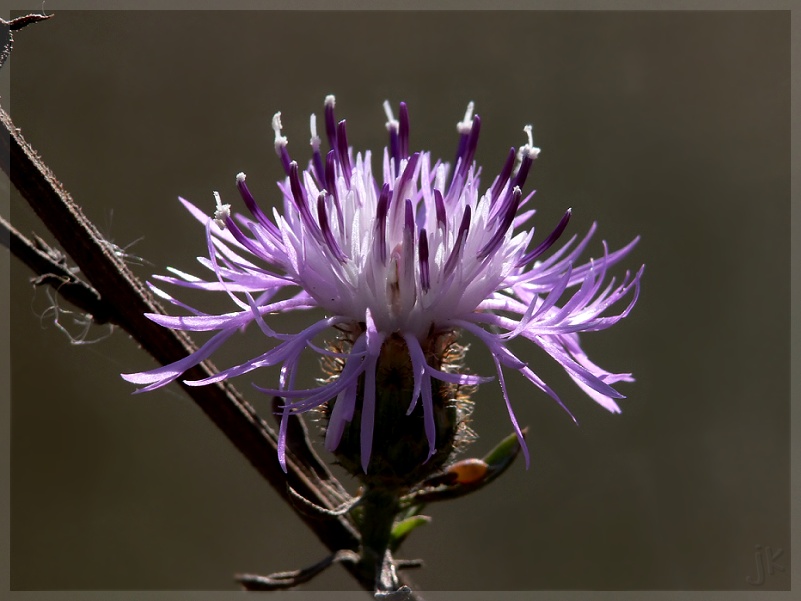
<point>379,508</point>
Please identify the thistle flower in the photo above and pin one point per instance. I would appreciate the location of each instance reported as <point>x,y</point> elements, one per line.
<point>398,268</point>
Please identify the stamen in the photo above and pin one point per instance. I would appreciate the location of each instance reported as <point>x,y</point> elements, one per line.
<point>222,217</point>
<point>330,174</point>
<point>301,201</point>
<point>391,121</point>
<point>408,246</point>
<point>279,139</point>
<point>403,132</point>
<point>281,142</point>
<point>425,278</point>
<point>382,209</point>
<point>298,190</point>
<point>250,203</point>
<point>408,176</point>
<point>394,140</point>
<point>222,213</point>
<point>393,278</point>
<point>508,217</point>
<point>330,122</point>
<point>464,158</point>
<point>317,159</point>
<point>408,224</point>
<point>548,242</point>
<point>531,150</point>
<point>315,139</point>
<point>328,236</point>
<point>506,172</point>
<point>499,209</point>
<point>472,143</point>
<point>439,203</point>
<point>528,152</point>
<point>464,126</point>
<point>342,152</point>
<point>456,251</point>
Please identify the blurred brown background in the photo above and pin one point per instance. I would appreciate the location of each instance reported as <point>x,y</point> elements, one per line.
<point>674,126</point>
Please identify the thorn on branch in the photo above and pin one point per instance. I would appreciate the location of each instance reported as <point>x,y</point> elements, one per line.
<point>409,564</point>
<point>6,27</point>
<point>286,580</point>
<point>25,20</point>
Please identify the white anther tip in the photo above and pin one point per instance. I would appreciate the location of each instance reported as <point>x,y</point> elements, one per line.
<point>240,177</point>
<point>468,115</point>
<point>529,134</point>
<point>392,123</point>
<point>315,139</point>
<point>279,139</point>
<point>222,212</point>
<point>330,100</point>
<point>529,148</point>
<point>464,126</point>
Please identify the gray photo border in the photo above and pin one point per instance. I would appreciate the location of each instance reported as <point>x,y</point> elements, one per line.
<point>793,6</point>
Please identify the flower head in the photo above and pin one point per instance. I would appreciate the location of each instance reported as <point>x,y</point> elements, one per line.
<point>397,266</point>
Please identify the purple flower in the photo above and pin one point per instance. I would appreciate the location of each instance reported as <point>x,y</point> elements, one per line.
<point>424,253</point>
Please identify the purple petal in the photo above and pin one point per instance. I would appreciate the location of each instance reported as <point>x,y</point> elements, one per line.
<point>548,242</point>
<point>156,378</point>
<point>428,418</point>
<point>419,363</point>
<point>520,438</point>
<point>341,415</point>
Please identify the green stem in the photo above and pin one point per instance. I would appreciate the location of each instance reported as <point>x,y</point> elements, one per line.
<point>380,507</point>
